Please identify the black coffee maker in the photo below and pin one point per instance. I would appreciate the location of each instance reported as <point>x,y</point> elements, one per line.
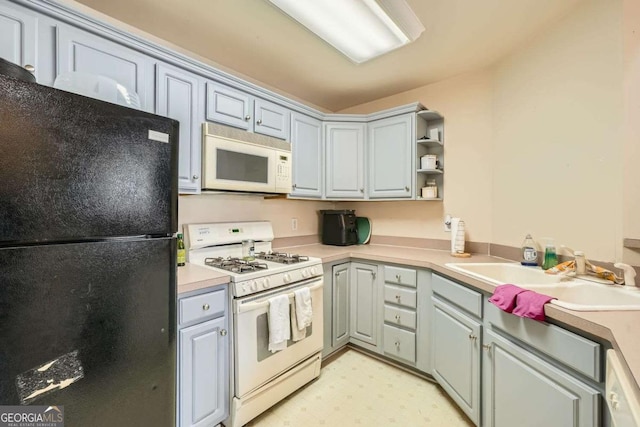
<point>339,227</point>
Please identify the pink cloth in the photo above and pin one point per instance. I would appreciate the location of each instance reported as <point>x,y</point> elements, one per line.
<point>531,304</point>
<point>504,297</point>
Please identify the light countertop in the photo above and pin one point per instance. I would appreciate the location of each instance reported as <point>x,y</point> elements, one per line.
<point>617,327</point>
<point>193,277</point>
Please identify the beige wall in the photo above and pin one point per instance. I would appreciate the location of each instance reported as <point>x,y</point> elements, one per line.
<point>631,34</point>
<point>534,143</point>
<point>465,102</point>
<point>557,152</point>
<point>221,207</point>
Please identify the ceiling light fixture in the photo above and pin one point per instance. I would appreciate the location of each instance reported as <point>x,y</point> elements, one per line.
<point>360,29</point>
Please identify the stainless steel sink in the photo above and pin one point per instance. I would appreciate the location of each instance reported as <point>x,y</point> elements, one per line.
<point>571,293</point>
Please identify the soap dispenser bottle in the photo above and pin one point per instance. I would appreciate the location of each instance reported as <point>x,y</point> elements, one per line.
<point>529,252</point>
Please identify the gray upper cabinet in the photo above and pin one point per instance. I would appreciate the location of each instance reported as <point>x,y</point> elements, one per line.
<point>522,388</point>
<point>364,303</point>
<point>456,356</point>
<point>79,50</point>
<point>390,143</point>
<point>229,106</point>
<point>179,96</point>
<point>344,147</point>
<point>306,145</point>
<point>18,35</point>
<point>271,119</point>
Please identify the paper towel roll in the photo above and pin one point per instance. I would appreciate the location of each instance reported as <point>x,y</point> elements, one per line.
<point>457,235</point>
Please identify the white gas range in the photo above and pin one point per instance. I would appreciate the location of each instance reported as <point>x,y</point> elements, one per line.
<point>261,378</point>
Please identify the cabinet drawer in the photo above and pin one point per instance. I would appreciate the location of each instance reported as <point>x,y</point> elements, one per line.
<point>399,295</point>
<point>400,343</point>
<point>399,316</point>
<point>461,296</point>
<point>203,306</point>
<point>575,351</point>
<point>400,276</point>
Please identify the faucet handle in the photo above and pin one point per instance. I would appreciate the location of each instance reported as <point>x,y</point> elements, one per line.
<point>629,273</point>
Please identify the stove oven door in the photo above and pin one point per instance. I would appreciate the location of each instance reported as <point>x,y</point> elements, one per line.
<point>255,365</point>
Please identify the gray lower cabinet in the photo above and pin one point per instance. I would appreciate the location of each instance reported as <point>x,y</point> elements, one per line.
<point>179,96</point>
<point>340,305</point>
<point>456,356</point>
<point>203,359</point>
<point>18,30</point>
<point>521,389</point>
<point>79,50</point>
<point>344,160</point>
<point>390,147</point>
<point>307,152</point>
<point>364,303</point>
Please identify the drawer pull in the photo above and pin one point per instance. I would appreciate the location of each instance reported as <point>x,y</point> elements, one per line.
<point>486,347</point>
<point>373,275</point>
<point>472,337</point>
<point>223,332</point>
<point>397,344</point>
<point>398,278</point>
<point>206,307</point>
<point>398,298</point>
<point>398,317</point>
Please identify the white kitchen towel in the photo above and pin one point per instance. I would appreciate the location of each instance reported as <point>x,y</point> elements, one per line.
<point>279,323</point>
<point>304,311</point>
<point>296,334</point>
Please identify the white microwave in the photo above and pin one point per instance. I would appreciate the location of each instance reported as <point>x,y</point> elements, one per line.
<point>236,160</point>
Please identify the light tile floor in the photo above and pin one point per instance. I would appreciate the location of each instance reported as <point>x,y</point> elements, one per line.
<point>357,390</point>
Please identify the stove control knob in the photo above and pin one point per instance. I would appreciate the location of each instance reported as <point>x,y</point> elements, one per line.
<point>244,289</point>
<point>265,284</point>
<point>314,271</point>
<point>254,286</point>
<point>286,278</point>
<point>305,273</point>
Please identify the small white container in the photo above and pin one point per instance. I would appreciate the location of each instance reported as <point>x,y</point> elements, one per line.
<point>434,134</point>
<point>429,161</point>
<point>429,192</point>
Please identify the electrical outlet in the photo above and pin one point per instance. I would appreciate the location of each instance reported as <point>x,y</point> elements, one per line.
<point>447,222</point>
<point>294,224</point>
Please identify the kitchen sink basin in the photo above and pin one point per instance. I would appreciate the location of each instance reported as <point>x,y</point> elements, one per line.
<point>571,293</point>
<point>503,272</point>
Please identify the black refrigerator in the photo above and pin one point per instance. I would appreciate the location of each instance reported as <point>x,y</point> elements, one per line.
<point>88,214</point>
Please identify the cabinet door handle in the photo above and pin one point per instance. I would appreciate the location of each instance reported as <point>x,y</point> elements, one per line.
<point>295,186</point>
<point>247,118</point>
<point>223,332</point>
<point>406,188</point>
<point>486,347</point>
<point>195,177</point>
<point>206,307</point>
<point>259,121</point>
<point>337,273</point>
<point>362,190</point>
<point>397,317</point>
<point>373,275</point>
<point>472,337</point>
<point>397,344</point>
<point>30,68</point>
<point>398,278</point>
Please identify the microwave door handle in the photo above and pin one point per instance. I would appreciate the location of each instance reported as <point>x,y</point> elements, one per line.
<point>250,306</point>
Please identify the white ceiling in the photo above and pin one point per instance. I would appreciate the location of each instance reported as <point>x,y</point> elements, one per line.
<point>256,39</point>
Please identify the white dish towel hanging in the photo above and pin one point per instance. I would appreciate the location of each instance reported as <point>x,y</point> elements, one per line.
<point>304,311</point>
<point>279,323</point>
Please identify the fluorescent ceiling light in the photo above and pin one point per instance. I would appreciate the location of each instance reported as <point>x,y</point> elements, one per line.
<point>360,29</point>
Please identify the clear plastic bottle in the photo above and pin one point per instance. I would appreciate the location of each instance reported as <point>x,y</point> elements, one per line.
<point>529,252</point>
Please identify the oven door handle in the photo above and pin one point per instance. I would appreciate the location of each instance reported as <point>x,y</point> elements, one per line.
<point>256,305</point>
